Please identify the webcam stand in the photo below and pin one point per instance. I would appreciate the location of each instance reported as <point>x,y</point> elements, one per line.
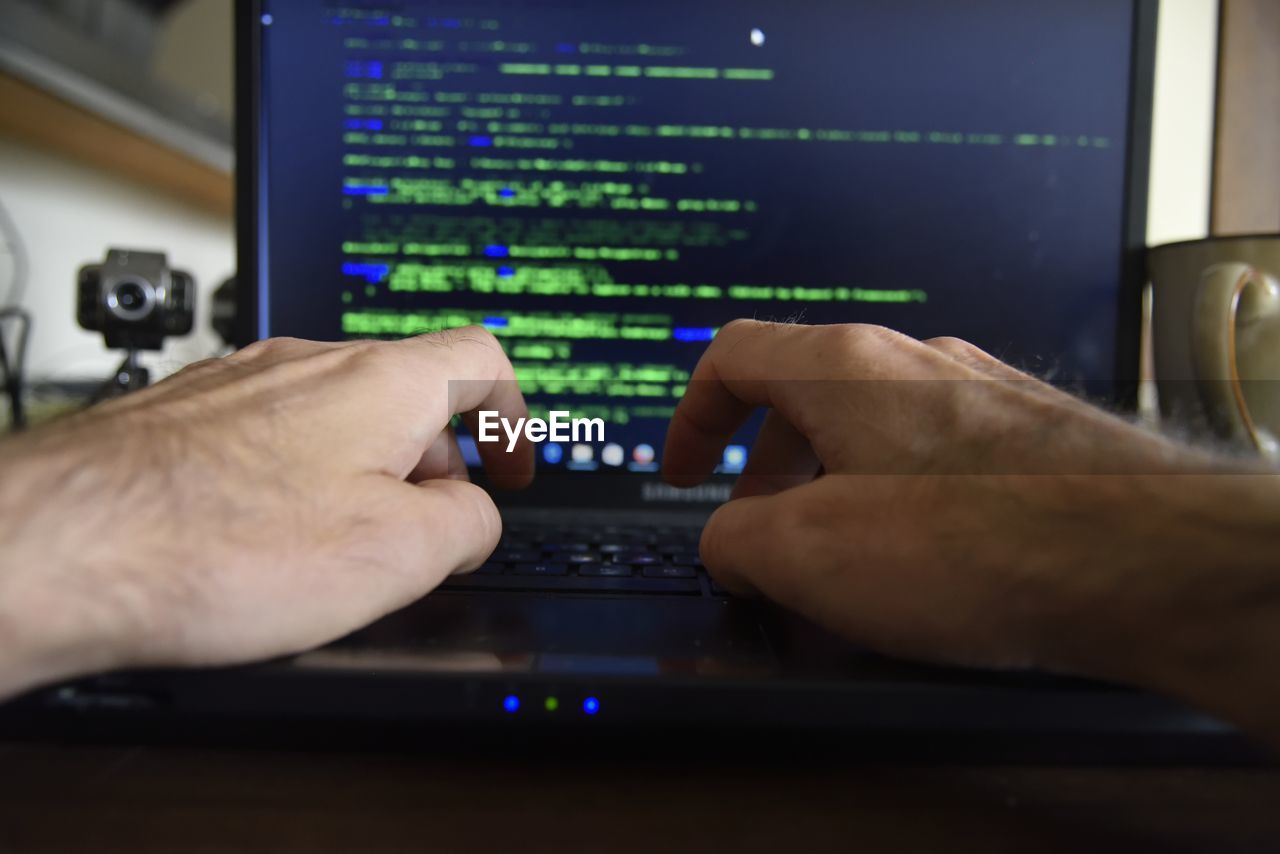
<point>130,376</point>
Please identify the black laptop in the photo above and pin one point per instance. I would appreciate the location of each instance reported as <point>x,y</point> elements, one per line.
<point>605,184</point>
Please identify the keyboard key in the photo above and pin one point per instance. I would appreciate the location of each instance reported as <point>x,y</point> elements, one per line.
<point>605,570</point>
<point>612,548</point>
<point>574,584</point>
<point>541,569</point>
<point>687,560</point>
<point>516,556</point>
<point>586,557</point>
<point>637,558</point>
<point>669,571</point>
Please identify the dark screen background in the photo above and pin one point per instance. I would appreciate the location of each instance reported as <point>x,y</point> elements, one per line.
<point>937,167</point>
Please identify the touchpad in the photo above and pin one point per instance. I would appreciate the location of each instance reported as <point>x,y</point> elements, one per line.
<point>459,632</point>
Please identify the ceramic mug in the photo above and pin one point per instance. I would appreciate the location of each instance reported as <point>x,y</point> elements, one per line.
<point>1215,336</point>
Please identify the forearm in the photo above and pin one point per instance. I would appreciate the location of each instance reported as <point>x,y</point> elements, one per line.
<point>1192,604</point>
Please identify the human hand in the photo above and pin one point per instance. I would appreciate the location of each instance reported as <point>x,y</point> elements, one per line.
<point>928,501</point>
<point>248,507</point>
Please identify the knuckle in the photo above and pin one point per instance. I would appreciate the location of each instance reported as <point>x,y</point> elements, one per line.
<point>479,336</point>
<point>743,324</point>
<point>204,366</point>
<point>461,338</point>
<point>460,335</point>
<point>376,357</point>
<point>268,348</point>
<point>953,346</point>
<point>859,341</point>
<point>743,327</point>
<point>969,355</point>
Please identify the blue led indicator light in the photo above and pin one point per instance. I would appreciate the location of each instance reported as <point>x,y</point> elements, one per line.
<point>590,705</point>
<point>511,704</point>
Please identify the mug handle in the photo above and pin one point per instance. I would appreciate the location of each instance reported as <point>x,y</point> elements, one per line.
<point>1213,344</point>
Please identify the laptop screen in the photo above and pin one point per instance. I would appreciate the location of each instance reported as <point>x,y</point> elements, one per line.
<point>605,184</point>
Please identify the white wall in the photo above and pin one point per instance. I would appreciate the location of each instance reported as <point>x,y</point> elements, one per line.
<point>69,214</point>
<point>1182,147</point>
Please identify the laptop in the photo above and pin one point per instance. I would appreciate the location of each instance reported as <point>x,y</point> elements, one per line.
<point>603,186</point>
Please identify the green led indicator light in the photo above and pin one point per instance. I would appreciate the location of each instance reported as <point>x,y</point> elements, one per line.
<point>551,704</point>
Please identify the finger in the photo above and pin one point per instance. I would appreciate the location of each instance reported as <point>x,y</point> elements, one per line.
<point>795,370</point>
<point>750,364</point>
<point>780,459</point>
<point>705,420</point>
<point>456,527</point>
<point>478,376</point>
<point>442,460</point>
<point>711,412</point>
<point>743,538</point>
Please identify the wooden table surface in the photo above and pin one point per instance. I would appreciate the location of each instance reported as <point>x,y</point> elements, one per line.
<point>167,799</point>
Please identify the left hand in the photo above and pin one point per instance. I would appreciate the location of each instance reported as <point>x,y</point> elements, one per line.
<point>248,507</point>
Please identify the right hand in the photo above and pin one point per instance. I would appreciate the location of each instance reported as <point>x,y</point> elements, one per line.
<point>927,500</point>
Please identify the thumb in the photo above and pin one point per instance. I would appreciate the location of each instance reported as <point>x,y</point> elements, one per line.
<point>453,527</point>
<point>747,542</point>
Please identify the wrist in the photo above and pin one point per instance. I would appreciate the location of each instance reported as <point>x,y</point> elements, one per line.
<point>50,627</point>
<point>1181,594</point>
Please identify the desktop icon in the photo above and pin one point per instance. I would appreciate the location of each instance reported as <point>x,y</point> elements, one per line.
<point>470,452</point>
<point>552,453</point>
<point>643,454</point>
<point>582,454</point>
<point>735,459</point>
<point>612,455</point>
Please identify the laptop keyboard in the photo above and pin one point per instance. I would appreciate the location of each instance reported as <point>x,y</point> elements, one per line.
<point>609,559</point>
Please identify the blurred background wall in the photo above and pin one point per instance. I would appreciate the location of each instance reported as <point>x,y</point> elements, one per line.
<point>69,207</point>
